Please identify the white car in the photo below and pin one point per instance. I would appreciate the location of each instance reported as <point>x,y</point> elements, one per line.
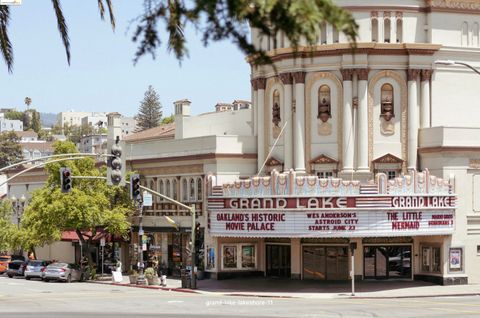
<point>35,269</point>
<point>63,272</point>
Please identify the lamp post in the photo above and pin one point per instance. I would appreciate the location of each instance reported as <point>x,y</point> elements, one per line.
<point>450,62</point>
<point>18,205</point>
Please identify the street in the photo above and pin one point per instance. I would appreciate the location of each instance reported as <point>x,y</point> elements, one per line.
<point>21,298</point>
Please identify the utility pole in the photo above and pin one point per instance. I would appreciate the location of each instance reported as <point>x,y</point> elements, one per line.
<point>141,276</point>
<point>193,280</point>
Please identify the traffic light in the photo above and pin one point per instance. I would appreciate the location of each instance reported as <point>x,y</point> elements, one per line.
<point>134,186</point>
<point>115,163</point>
<point>66,180</point>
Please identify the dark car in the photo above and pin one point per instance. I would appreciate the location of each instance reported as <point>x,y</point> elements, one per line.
<point>16,268</point>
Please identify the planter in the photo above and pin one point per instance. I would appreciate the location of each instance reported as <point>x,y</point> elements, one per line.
<point>133,279</point>
<point>153,281</point>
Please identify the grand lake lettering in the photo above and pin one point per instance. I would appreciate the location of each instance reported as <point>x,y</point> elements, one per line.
<point>287,203</point>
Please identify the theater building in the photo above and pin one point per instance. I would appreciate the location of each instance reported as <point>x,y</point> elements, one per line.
<point>379,146</point>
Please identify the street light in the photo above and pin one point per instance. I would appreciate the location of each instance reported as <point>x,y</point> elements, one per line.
<point>18,205</point>
<point>450,62</point>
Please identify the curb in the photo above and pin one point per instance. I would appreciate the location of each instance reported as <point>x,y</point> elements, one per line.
<point>180,290</point>
<point>414,296</point>
<point>337,296</point>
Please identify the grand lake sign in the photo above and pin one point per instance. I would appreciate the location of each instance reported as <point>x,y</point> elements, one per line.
<point>405,206</point>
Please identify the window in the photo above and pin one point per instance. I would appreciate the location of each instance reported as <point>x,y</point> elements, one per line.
<point>464,40</point>
<point>335,36</point>
<point>199,189</point>
<point>323,33</point>
<point>478,249</point>
<point>325,174</point>
<point>324,109</point>
<point>399,30</point>
<point>239,256</point>
<point>391,174</point>
<point>374,30</point>
<point>387,105</point>
<point>431,259</point>
<point>161,188</point>
<point>386,32</point>
<point>192,190</point>
<point>184,190</point>
<point>167,188</point>
<point>174,189</point>
<point>476,30</point>
<point>276,108</point>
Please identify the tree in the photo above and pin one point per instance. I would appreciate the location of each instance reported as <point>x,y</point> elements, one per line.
<point>28,101</point>
<point>89,206</point>
<point>7,228</point>
<point>216,20</point>
<point>14,115</point>
<point>36,124</point>
<point>150,111</point>
<point>168,120</point>
<point>10,148</point>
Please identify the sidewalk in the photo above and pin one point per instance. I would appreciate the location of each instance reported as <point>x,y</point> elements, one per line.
<point>285,288</point>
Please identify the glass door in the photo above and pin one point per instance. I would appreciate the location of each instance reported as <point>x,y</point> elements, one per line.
<point>387,262</point>
<point>278,260</point>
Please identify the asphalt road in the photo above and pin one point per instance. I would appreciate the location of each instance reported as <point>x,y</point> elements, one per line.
<point>21,298</point>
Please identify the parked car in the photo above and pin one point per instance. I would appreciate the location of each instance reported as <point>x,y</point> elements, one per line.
<point>4,260</point>
<point>63,272</point>
<point>16,268</point>
<point>35,269</point>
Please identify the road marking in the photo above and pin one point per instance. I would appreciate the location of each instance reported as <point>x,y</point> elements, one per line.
<point>175,301</point>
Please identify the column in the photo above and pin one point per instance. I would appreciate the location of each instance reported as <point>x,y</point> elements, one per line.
<point>362,120</point>
<point>299,134</point>
<point>329,33</point>
<point>412,76</point>
<point>260,82</point>
<point>425,77</point>
<point>255,106</point>
<point>287,81</point>
<point>348,145</point>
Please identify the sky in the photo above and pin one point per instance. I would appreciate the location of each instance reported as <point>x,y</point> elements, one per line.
<point>102,76</point>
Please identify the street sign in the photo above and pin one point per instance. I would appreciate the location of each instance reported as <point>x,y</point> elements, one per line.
<point>102,241</point>
<point>147,199</point>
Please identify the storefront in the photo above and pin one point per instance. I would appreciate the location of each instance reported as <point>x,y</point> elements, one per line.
<point>162,248</point>
<point>301,227</point>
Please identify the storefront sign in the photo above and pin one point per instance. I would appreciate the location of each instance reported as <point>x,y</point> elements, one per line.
<point>321,223</point>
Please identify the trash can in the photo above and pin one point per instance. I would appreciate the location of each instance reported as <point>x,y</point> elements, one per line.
<point>185,277</point>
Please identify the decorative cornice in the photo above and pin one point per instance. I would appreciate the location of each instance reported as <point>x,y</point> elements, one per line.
<point>374,14</point>
<point>362,74</point>
<point>323,159</point>
<point>299,77</point>
<point>398,14</point>
<point>388,158</point>
<point>426,75</point>
<point>454,5</point>
<point>273,162</point>
<point>286,78</point>
<point>386,14</point>
<point>261,82</point>
<point>412,74</point>
<point>347,74</point>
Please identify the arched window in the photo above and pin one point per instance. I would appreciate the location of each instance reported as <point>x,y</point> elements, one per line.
<point>374,30</point>
<point>335,35</point>
<point>387,110</point>
<point>399,30</point>
<point>386,30</point>
<point>184,190</point>
<point>199,189</point>
<point>192,189</point>
<point>465,34</point>
<point>174,189</point>
<point>161,188</point>
<point>475,35</point>
<point>324,108</point>
<point>276,108</point>
<point>167,188</point>
<point>323,33</point>
<point>26,154</point>
<point>154,188</point>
